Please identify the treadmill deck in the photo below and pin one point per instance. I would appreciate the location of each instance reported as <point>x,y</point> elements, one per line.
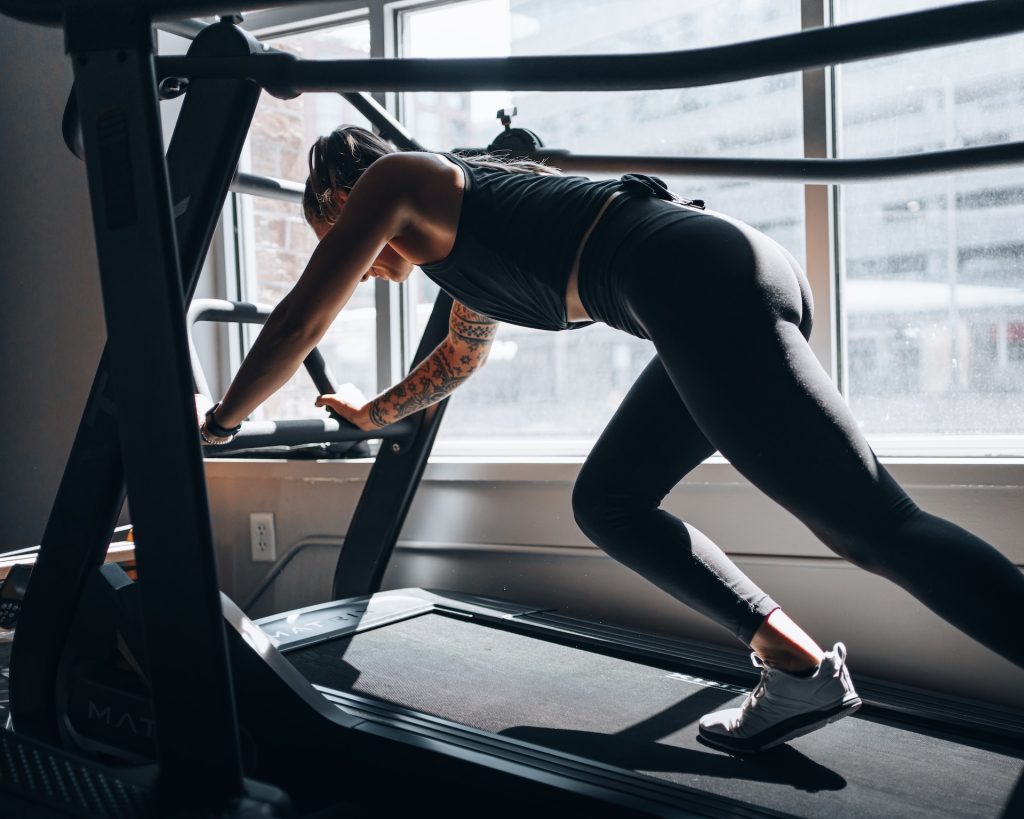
<point>643,718</point>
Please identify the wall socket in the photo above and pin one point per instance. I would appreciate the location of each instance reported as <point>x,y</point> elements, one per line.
<point>261,537</point>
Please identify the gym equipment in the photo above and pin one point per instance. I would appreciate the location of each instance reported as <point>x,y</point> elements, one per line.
<point>322,702</point>
<point>515,142</point>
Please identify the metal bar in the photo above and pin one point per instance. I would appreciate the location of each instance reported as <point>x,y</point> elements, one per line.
<point>266,186</point>
<point>810,171</point>
<point>286,76</point>
<point>210,131</point>
<point>240,312</point>
<point>391,485</point>
<point>52,12</point>
<point>389,127</point>
<point>262,434</point>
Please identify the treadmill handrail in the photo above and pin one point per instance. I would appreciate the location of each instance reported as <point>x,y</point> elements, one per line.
<point>287,76</point>
<point>300,431</point>
<point>810,48</point>
<point>258,434</point>
<point>243,312</point>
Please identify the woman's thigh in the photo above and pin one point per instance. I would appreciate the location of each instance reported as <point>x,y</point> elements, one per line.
<point>729,328</point>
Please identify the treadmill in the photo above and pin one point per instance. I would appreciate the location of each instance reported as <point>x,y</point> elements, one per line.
<point>435,701</point>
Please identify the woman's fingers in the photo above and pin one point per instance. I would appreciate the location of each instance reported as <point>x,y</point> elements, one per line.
<point>353,413</point>
<point>335,403</point>
<point>343,408</point>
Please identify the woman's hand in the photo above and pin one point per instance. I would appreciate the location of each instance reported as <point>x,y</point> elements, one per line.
<point>351,405</point>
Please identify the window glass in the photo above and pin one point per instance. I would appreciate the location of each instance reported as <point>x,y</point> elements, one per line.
<point>933,293</point>
<point>556,391</point>
<point>280,241</point>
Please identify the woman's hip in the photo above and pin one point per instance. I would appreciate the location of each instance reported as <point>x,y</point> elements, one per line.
<point>648,257</point>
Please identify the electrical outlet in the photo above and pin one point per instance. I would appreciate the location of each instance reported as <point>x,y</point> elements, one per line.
<point>261,537</point>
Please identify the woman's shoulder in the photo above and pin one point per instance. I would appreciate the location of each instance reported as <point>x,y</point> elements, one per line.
<point>410,171</point>
<point>406,161</point>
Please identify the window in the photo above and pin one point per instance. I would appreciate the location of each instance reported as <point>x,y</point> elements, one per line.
<point>929,270</point>
<point>277,241</point>
<point>555,391</point>
<point>933,293</point>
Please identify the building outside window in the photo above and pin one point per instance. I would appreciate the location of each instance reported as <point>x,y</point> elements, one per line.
<point>933,293</point>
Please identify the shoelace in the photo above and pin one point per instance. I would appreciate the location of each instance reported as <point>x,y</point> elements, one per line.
<point>755,696</point>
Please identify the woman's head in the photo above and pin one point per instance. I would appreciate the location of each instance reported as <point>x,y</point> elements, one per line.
<point>336,162</point>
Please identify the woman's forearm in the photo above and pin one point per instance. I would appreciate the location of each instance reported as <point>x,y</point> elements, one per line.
<point>435,378</point>
<point>276,354</point>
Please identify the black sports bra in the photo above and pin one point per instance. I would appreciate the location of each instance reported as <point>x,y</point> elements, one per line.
<point>517,239</point>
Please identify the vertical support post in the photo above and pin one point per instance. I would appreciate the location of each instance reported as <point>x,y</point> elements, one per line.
<point>821,203</point>
<point>202,156</point>
<point>193,702</point>
<point>391,485</point>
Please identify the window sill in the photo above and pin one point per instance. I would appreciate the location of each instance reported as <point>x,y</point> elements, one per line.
<point>946,472</point>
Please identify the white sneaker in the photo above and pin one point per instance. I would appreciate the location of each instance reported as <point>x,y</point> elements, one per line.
<point>784,706</point>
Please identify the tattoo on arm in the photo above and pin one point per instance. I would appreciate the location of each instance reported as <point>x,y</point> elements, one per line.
<point>469,340</point>
<point>471,329</point>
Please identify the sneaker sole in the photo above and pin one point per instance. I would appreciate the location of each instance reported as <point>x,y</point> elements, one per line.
<point>784,731</point>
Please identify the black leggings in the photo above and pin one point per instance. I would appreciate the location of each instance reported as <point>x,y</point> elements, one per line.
<point>729,312</point>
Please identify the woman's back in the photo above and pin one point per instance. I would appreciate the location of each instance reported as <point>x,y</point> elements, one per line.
<point>516,240</point>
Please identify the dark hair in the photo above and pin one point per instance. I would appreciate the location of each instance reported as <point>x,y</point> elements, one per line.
<point>338,160</point>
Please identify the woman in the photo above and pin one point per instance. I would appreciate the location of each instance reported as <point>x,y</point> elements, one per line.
<point>728,311</point>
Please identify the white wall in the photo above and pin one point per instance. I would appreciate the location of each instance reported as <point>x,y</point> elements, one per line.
<point>51,314</point>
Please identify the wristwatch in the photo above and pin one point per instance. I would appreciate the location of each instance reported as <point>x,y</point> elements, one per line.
<point>216,429</point>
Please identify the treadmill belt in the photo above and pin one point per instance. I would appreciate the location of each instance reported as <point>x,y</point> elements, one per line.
<point>644,719</point>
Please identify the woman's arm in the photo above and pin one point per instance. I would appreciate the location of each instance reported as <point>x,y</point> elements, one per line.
<point>375,212</point>
<point>453,361</point>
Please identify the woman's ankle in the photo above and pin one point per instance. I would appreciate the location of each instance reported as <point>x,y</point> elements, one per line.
<point>782,644</point>
<point>790,662</point>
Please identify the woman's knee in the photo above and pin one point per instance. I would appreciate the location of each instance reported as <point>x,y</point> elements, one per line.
<point>601,505</point>
<point>590,498</point>
<point>859,548</point>
<point>875,545</point>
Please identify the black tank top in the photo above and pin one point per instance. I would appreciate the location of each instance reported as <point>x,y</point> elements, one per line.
<point>517,238</point>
